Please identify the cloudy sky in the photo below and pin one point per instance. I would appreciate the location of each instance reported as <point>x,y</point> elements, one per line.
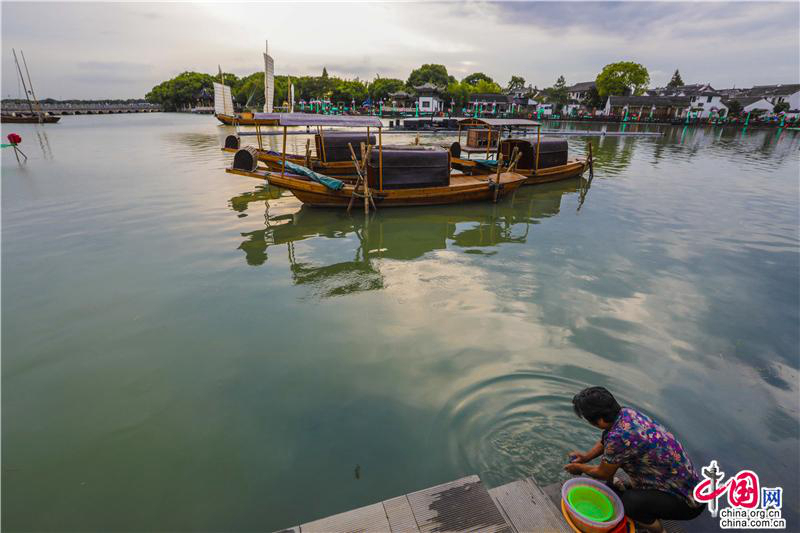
<point>120,50</point>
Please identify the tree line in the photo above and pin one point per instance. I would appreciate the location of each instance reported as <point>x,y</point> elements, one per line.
<point>188,88</point>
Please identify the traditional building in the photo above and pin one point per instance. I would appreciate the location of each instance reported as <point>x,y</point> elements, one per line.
<point>776,94</point>
<point>752,103</point>
<point>429,98</point>
<point>704,100</point>
<point>579,91</point>
<point>401,100</point>
<point>489,103</point>
<point>657,107</point>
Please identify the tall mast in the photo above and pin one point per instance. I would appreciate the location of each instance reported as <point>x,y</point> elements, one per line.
<point>22,78</point>
<point>30,84</point>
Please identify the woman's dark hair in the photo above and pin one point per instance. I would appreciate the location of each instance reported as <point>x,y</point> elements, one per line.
<point>595,403</point>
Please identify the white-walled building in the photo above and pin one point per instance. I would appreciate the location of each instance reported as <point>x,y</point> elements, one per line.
<point>704,100</point>
<point>579,91</point>
<point>775,94</point>
<point>753,103</point>
<point>429,98</point>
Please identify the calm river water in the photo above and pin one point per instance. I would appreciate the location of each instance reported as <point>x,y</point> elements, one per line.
<point>184,349</point>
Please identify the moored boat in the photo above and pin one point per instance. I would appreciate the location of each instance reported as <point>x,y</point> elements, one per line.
<point>389,175</point>
<point>14,118</point>
<point>541,160</point>
<point>331,153</point>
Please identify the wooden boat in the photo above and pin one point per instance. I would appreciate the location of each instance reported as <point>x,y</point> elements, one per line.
<point>390,176</point>
<point>331,149</point>
<point>541,161</point>
<point>247,119</point>
<point>13,118</point>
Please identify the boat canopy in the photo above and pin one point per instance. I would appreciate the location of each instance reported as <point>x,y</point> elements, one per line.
<point>266,116</point>
<point>500,122</point>
<point>311,119</point>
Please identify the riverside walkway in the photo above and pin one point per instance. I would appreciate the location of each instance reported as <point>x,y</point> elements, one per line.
<point>458,506</point>
<point>461,505</point>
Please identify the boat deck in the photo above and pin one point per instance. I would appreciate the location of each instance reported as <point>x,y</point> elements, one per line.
<point>461,505</point>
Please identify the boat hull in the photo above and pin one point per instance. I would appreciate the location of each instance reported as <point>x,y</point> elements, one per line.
<point>8,119</point>
<point>572,169</point>
<point>273,162</point>
<point>230,120</point>
<point>462,189</point>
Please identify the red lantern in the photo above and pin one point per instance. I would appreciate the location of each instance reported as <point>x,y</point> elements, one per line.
<point>13,138</point>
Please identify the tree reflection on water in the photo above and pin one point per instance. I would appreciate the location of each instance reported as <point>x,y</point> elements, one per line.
<point>399,233</point>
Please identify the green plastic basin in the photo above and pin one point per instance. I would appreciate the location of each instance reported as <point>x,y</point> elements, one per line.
<point>591,503</point>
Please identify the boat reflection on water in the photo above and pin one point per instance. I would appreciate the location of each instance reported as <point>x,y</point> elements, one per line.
<point>398,234</point>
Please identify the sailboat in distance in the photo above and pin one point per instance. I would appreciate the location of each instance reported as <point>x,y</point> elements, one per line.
<point>223,101</point>
<point>36,115</point>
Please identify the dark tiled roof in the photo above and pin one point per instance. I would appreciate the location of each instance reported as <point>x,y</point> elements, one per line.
<point>489,97</point>
<point>648,101</point>
<point>744,100</point>
<point>772,90</point>
<point>582,86</point>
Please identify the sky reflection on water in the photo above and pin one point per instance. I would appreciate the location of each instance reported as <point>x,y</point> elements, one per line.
<point>185,349</point>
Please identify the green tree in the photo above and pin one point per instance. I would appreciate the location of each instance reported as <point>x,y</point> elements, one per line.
<point>558,93</point>
<point>250,91</point>
<point>676,81</point>
<point>734,107</point>
<point>485,87</point>
<point>624,77</point>
<point>435,74</point>
<point>458,93</point>
<point>517,83</point>
<point>348,90</point>
<point>474,78</point>
<point>381,87</point>
<point>781,107</point>
<point>324,72</point>
<point>592,99</point>
<point>181,91</point>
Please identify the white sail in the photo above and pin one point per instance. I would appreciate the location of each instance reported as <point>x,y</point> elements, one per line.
<point>291,98</point>
<point>269,82</point>
<point>223,100</point>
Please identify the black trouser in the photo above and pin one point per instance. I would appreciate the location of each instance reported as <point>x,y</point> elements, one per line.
<point>645,505</point>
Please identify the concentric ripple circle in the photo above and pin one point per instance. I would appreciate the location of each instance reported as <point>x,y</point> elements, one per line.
<point>515,425</point>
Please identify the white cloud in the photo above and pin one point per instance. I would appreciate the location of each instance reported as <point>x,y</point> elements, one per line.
<point>721,43</point>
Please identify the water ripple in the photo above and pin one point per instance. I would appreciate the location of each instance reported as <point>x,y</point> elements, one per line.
<point>513,425</point>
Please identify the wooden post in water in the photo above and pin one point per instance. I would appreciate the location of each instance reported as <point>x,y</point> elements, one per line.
<point>538,146</point>
<point>380,157</point>
<point>283,165</point>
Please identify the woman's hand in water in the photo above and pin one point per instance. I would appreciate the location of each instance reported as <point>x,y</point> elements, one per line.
<point>574,468</point>
<point>577,457</point>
